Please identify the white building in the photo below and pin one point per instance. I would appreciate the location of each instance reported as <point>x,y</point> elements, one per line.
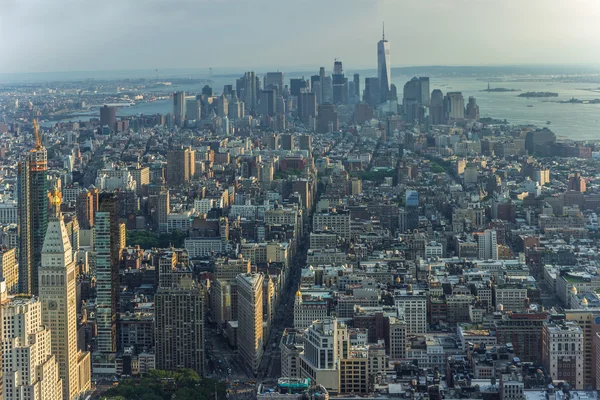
<point>57,287</point>
<point>203,206</point>
<point>434,250</point>
<point>511,296</point>
<point>307,311</point>
<point>8,212</point>
<point>413,306</point>
<point>320,360</point>
<point>336,221</point>
<point>562,346</point>
<point>179,221</point>
<point>198,247</point>
<point>487,244</point>
<point>29,369</point>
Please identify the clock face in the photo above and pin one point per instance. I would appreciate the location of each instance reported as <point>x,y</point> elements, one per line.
<point>597,320</point>
<point>52,305</point>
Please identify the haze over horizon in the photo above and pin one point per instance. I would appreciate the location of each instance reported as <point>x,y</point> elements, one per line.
<point>69,35</point>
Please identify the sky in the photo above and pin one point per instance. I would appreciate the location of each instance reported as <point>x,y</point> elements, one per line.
<point>94,35</point>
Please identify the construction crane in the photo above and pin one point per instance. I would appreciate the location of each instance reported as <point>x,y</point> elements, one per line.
<point>38,142</point>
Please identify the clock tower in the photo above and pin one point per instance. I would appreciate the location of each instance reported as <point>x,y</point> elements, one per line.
<point>57,291</point>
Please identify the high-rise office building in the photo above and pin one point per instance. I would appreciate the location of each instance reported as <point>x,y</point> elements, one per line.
<point>106,243</point>
<point>86,207</point>
<point>250,90</point>
<point>223,106</point>
<point>29,369</point>
<point>32,189</point>
<point>298,85</point>
<point>338,80</point>
<point>159,206</point>
<point>412,306</point>
<point>371,92</point>
<point>250,319</point>
<point>327,120</point>
<point>179,108</point>
<point>267,102</point>
<point>108,117</point>
<point>588,319</point>
<point>472,111</point>
<point>236,108</point>
<point>307,106</point>
<point>436,107</point>
<point>322,352</point>
<point>454,106</point>
<point>274,80</point>
<point>181,166</point>
<point>58,296</point>
<point>563,352</point>
<point>305,142</point>
<point>424,97</point>
<point>287,141</point>
<point>193,110</point>
<point>487,244</point>
<point>383,66</point>
<point>357,86</point>
<point>327,89</point>
<point>179,326</point>
<point>577,183</point>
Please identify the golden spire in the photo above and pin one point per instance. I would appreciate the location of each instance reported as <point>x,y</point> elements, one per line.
<point>54,200</point>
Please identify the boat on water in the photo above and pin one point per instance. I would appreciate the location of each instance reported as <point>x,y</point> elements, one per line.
<point>548,122</point>
<point>529,105</point>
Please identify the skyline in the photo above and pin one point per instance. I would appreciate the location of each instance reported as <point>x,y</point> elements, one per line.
<point>441,32</point>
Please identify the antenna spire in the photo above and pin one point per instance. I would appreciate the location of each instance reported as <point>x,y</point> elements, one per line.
<point>383,30</point>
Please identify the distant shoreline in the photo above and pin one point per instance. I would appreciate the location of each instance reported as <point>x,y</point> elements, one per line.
<point>499,90</point>
<point>538,94</point>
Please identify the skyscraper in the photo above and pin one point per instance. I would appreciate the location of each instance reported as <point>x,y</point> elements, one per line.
<point>297,85</point>
<point>59,308</point>
<point>383,66</point>
<point>181,166</point>
<point>436,107</point>
<point>487,243</point>
<point>327,120</point>
<point>250,90</point>
<point>32,188</point>
<point>193,109</point>
<point>339,83</point>
<point>179,108</point>
<point>307,106</point>
<point>179,326</point>
<point>357,86</point>
<point>274,80</point>
<point>454,106</point>
<point>108,117</point>
<point>223,106</point>
<point>371,92</point>
<point>28,365</point>
<point>424,98</point>
<point>472,112</point>
<point>267,102</point>
<point>106,242</point>
<point>250,319</point>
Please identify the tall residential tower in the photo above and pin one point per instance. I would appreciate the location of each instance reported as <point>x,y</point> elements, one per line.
<point>32,189</point>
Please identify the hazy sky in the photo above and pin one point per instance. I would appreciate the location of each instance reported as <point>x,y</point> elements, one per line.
<point>83,35</point>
